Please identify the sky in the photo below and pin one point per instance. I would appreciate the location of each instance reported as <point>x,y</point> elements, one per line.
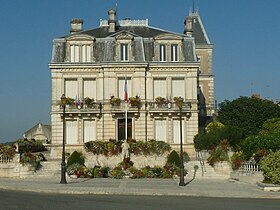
<point>245,35</point>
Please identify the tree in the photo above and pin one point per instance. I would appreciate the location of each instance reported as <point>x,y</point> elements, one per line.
<point>216,133</point>
<point>248,114</point>
<point>271,125</point>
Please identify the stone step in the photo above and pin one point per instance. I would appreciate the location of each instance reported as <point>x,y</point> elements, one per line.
<point>208,171</point>
<point>49,168</point>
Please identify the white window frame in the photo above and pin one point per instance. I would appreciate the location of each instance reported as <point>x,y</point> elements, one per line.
<point>89,88</point>
<point>160,130</point>
<point>162,53</point>
<point>160,87</point>
<point>71,88</point>
<point>124,52</point>
<point>174,53</point>
<point>89,131</point>
<point>71,132</point>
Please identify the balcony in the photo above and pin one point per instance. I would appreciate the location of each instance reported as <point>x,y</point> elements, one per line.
<point>170,107</point>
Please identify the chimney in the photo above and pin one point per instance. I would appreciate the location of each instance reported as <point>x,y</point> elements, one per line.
<point>112,20</point>
<point>76,25</point>
<point>188,26</point>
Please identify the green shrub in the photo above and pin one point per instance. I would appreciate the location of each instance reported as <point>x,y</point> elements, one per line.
<point>173,158</point>
<point>100,172</point>
<point>30,145</point>
<point>117,173</point>
<point>220,153</point>
<point>266,141</point>
<point>113,147</point>
<point>75,157</point>
<point>270,166</point>
<point>29,158</point>
<point>73,168</point>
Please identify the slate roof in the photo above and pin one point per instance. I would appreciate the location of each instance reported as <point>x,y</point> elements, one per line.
<point>142,31</point>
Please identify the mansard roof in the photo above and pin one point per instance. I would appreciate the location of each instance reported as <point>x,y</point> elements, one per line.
<point>199,32</point>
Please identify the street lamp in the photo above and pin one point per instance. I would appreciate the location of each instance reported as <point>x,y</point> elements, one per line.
<point>63,164</point>
<point>182,181</point>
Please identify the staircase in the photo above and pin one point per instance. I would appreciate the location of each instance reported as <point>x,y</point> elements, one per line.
<point>50,168</point>
<point>203,172</point>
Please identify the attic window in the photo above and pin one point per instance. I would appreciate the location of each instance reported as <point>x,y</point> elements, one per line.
<point>162,52</point>
<point>80,53</point>
<point>124,52</point>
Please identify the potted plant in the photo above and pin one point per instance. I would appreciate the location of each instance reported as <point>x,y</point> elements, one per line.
<point>178,101</point>
<point>160,100</point>
<point>134,101</point>
<point>88,101</point>
<point>115,101</point>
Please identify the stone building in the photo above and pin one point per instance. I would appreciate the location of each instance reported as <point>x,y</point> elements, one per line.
<point>39,132</point>
<point>94,68</point>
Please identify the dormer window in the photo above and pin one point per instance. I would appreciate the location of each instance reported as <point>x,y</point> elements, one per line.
<point>80,53</point>
<point>124,40</point>
<point>124,52</point>
<point>80,48</point>
<point>168,48</point>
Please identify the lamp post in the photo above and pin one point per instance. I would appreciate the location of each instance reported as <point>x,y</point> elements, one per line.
<point>182,181</point>
<point>63,164</point>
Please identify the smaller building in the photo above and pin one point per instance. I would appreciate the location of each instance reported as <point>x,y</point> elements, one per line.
<point>39,132</point>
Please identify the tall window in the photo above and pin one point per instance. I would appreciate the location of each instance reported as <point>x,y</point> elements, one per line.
<point>121,82</point>
<point>176,132</point>
<point>89,131</point>
<point>160,87</point>
<point>162,52</point>
<point>90,88</point>
<point>71,132</point>
<point>174,52</point>
<point>71,88</point>
<point>178,87</point>
<point>75,53</point>
<point>86,53</point>
<point>160,130</point>
<point>124,52</point>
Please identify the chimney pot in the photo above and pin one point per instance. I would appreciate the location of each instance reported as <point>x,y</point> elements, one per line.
<point>76,25</point>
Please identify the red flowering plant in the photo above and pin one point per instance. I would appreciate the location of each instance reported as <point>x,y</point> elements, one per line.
<point>7,151</point>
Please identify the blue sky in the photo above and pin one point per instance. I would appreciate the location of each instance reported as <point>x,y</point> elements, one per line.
<point>245,35</point>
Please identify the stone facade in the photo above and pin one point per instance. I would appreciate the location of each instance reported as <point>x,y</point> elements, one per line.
<point>146,62</point>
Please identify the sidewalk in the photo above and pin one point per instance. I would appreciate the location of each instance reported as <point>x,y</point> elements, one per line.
<point>197,187</point>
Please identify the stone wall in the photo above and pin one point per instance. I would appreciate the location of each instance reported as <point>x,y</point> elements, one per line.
<point>140,161</point>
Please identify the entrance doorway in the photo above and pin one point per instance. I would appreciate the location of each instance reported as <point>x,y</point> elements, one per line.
<point>121,129</point>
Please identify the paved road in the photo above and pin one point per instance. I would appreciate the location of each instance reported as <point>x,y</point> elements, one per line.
<point>166,187</point>
<point>11,200</point>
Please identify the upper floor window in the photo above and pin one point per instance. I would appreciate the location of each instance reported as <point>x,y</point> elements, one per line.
<point>71,88</point>
<point>160,87</point>
<point>162,52</point>
<point>89,88</point>
<point>122,87</point>
<point>80,53</point>
<point>124,52</point>
<point>174,52</point>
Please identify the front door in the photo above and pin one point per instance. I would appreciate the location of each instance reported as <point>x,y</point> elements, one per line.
<point>121,129</point>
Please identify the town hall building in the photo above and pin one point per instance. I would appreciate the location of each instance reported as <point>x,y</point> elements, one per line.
<point>160,72</point>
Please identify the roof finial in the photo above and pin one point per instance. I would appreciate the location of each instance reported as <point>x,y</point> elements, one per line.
<point>193,6</point>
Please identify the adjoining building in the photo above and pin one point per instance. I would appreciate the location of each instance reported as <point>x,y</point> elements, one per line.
<point>39,132</point>
<point>155,67</point>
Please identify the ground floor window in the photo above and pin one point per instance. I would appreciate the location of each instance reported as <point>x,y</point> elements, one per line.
<point>160,130</point>
<point>176,131</point>
<point>121,129</point>
<point>89,131</point>
<point>71,132</point>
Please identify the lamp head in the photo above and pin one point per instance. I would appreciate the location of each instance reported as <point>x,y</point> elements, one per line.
<point>63,100</point>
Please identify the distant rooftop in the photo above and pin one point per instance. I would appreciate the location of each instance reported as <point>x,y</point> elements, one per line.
<point>126,22</point>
